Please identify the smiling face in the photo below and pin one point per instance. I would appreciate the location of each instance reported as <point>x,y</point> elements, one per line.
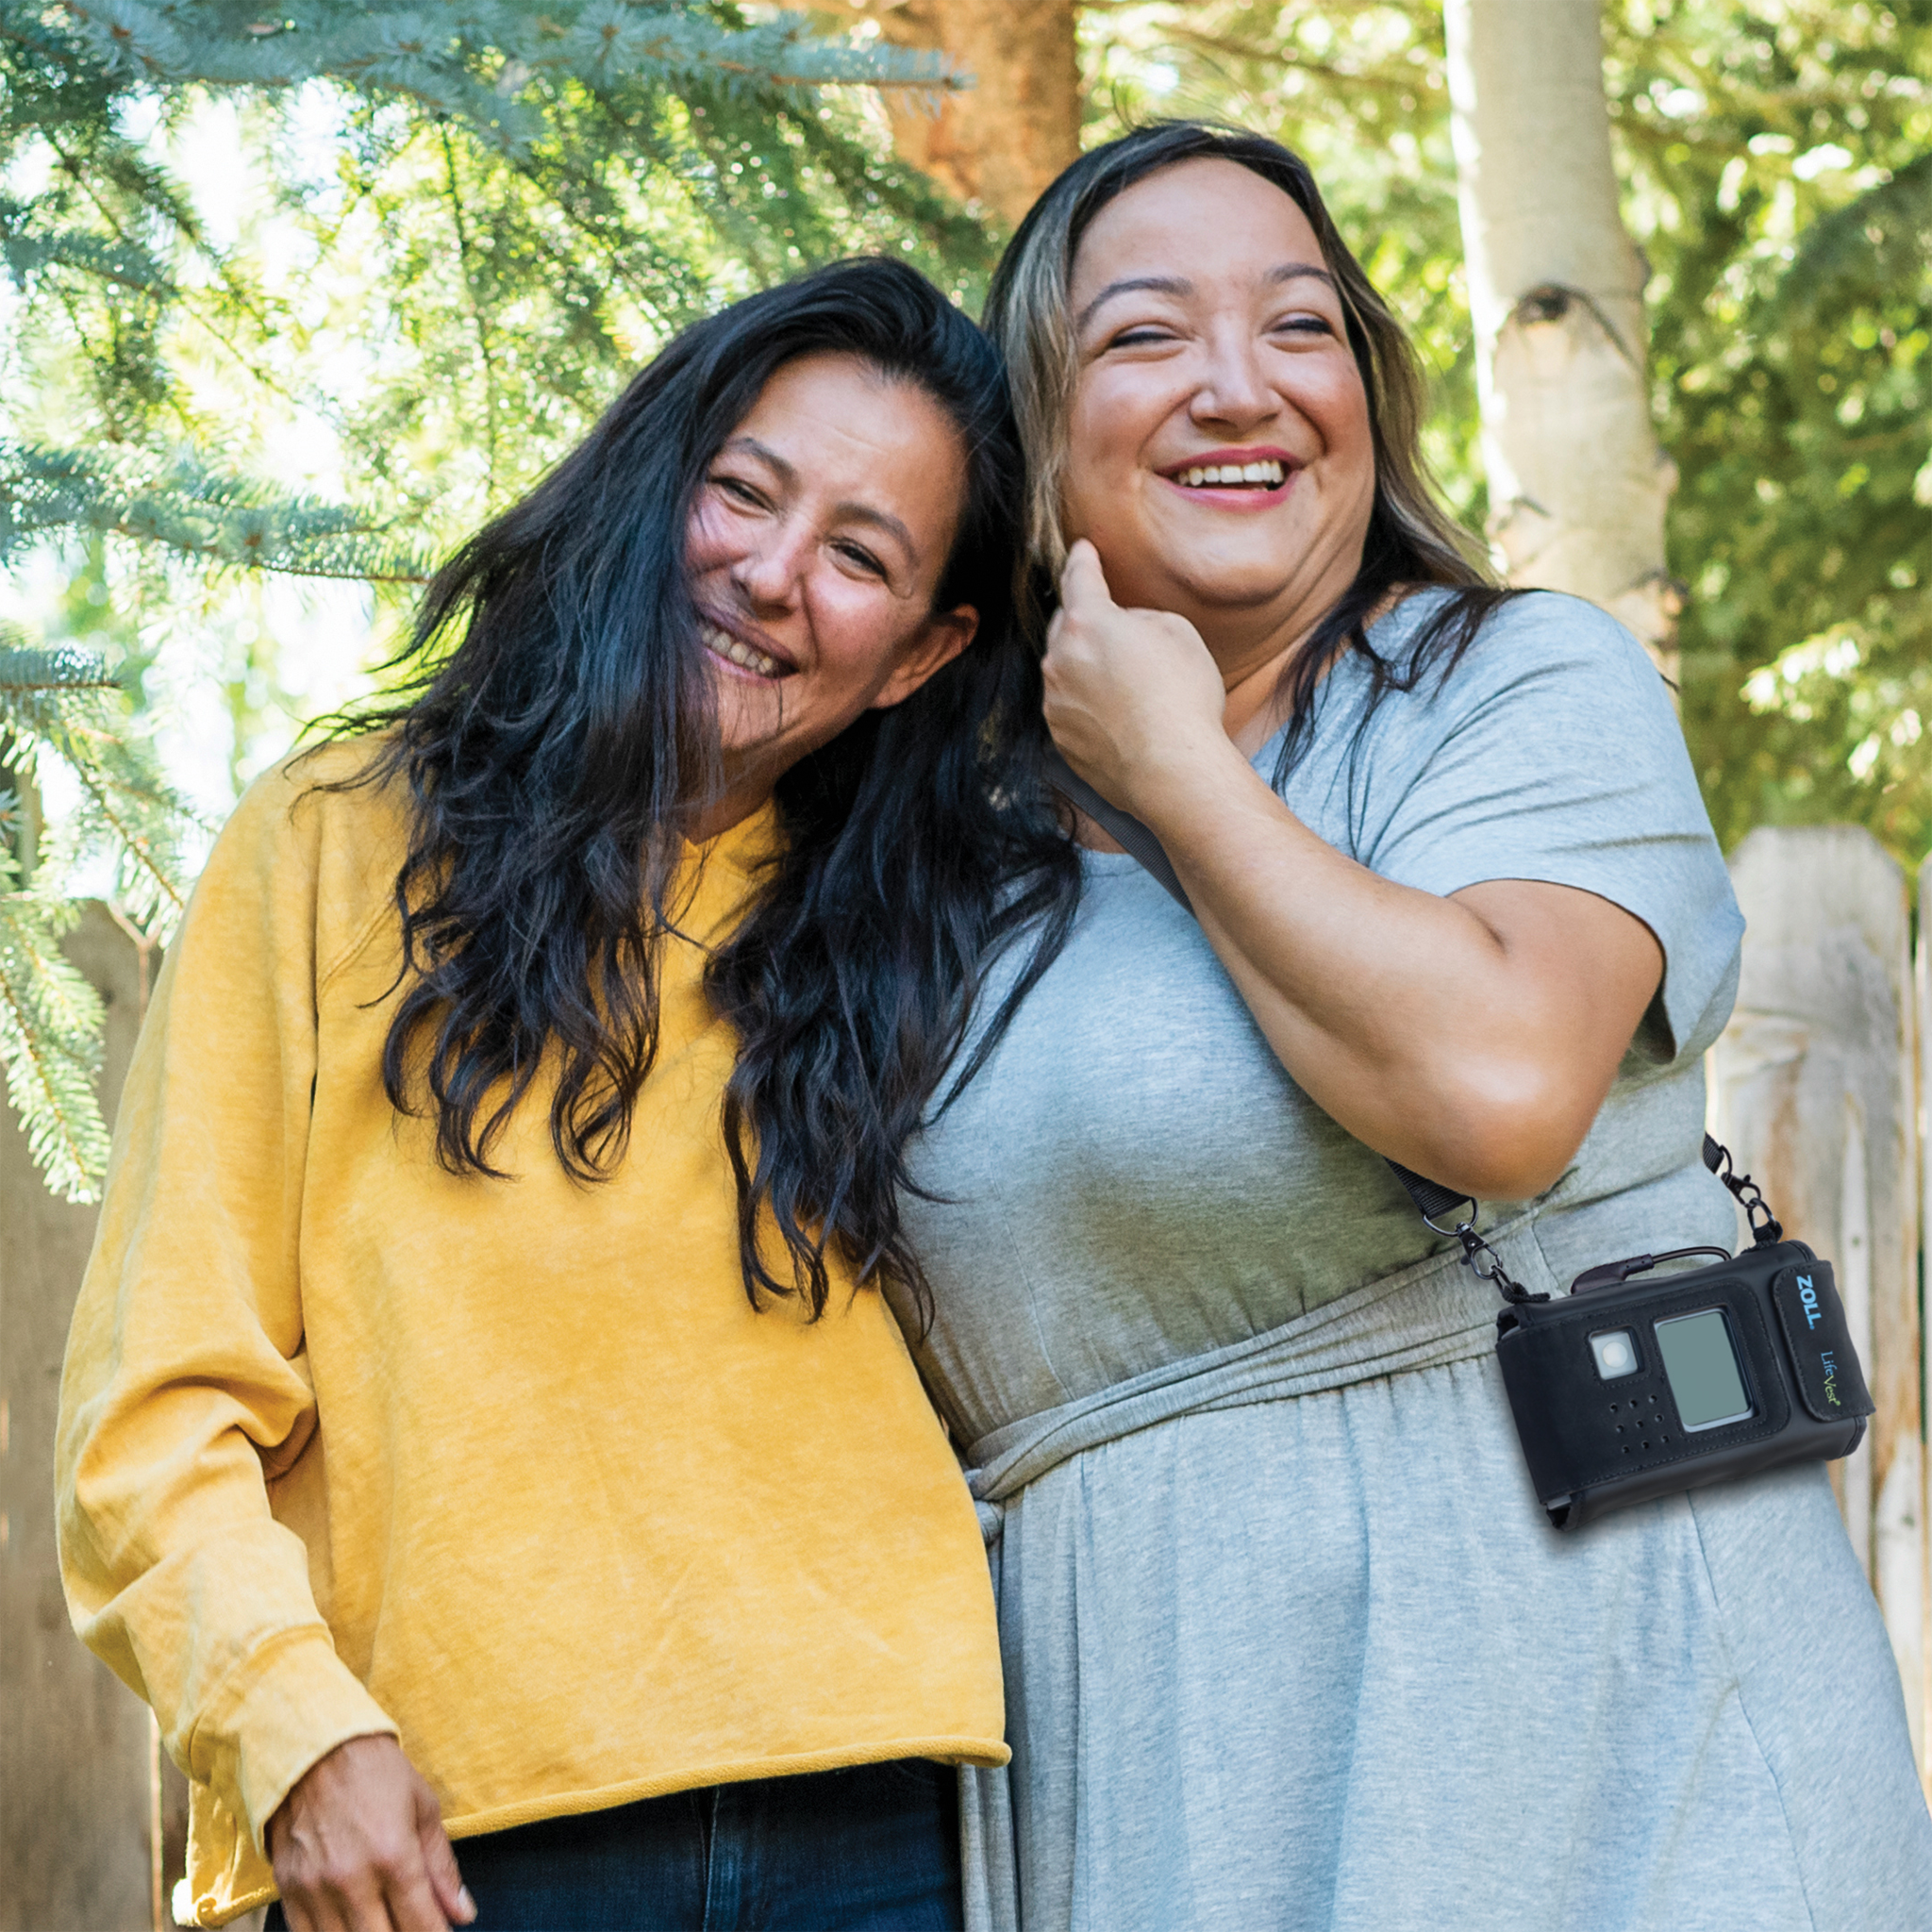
<point>1220,457</point>
<point>815,546</point>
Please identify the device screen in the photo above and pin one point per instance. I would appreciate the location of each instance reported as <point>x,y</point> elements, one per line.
<point>1703,1369</point>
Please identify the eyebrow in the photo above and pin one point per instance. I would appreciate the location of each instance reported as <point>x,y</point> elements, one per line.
<point>1179,285</point>
<point>849,511</point>
<point>1129,284</point>
<point>1295,270</point>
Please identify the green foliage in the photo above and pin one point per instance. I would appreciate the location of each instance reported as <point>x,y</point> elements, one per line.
<point>66,705</point>
<point>124,834</point>
<point>464,226</point>
<point>475,63</point>
<point>1780,164</point>
<point>50,1042</point>
<point>181,504</point>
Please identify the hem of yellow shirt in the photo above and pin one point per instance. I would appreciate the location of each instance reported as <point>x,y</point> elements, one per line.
<point>568,1803</point>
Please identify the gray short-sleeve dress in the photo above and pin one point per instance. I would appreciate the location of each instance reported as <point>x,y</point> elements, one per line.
<point>1287,1642</point>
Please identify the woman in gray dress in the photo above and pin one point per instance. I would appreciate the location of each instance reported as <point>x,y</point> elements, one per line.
<point>1287,1641</point>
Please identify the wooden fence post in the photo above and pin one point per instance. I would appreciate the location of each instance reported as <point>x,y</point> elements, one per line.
<point>80,1781</point>
<point>1814,1091</point>
<point>94,1814</point>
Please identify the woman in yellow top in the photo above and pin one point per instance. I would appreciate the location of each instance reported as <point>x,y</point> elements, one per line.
<point>479,1420</point>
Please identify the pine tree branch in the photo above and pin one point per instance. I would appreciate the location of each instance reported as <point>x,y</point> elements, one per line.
<point>453,60</point>
<point>26,668</point>
<point>158,197</point>
<point>26,252</point>
<point>227,520</point>
<point>63,704</point>
<point>50,1031</point>
<point>157,890</point>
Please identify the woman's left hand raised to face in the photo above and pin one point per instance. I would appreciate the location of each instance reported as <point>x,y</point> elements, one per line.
<point>1470,1038</point>
<point>1131,695</point>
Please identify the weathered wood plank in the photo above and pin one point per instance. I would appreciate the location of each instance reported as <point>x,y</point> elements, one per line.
<point>1814,1091</point>
<point>77,1769</point>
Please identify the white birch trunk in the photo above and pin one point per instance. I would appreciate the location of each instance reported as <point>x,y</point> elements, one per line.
<point>1814,1092</point>
<point>1578,484</point>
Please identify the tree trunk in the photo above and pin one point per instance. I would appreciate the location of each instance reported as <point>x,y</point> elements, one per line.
<point>1578,484</point>
<point>1003,140</point>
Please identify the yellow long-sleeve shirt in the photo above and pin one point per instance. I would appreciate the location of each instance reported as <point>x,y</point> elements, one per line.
<point>510,1468</point>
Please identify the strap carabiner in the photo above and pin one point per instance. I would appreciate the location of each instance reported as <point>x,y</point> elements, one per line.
<point>1496,1273</point>
<point>1766,1228</point>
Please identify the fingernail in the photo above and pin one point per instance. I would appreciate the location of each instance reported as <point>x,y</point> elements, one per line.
<point>466,1903</point>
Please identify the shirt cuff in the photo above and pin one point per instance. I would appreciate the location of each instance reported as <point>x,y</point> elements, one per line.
<point>282,1711</point>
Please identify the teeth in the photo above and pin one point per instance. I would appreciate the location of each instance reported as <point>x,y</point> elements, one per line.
<point>1266,475</point>
<point>726,645</point>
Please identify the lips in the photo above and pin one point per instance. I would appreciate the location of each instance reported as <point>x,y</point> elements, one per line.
<point>734,650</point>
<point>1260,471</point>
<point>1236,475</point>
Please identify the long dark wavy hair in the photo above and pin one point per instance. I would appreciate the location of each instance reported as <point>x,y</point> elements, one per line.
<point>557,736</point>
<point>1411,540</point>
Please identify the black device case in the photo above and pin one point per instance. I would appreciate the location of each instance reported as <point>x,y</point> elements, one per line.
<point>1593,1445</point>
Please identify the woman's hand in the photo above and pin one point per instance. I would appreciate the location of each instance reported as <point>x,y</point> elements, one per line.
<point>1129,693</point>
<point>358,1846</point>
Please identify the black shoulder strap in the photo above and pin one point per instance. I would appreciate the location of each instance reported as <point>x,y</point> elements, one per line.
<point>1432,1200</point>
<point>1124,827</point>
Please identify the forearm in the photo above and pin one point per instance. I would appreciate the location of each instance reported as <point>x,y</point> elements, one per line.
<point>1406,1016</point>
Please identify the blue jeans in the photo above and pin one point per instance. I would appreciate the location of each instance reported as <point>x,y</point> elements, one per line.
<point>873,1849</point>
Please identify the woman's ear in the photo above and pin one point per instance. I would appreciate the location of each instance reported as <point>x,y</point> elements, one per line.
<point>929,651</point>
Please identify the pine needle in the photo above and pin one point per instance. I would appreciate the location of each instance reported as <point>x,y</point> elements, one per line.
<point>64,706</point>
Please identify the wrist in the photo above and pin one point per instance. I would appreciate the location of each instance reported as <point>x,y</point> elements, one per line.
<point>1168,784</point>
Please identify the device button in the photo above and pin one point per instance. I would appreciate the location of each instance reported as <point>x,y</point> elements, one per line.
<point>1615,1354</point>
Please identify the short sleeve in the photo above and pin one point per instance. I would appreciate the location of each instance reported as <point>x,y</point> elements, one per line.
<point>1552,753</point>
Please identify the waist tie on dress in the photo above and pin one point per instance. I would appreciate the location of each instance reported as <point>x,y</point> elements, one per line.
<point>1425,1316</point>
<point>1430,1313</point>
